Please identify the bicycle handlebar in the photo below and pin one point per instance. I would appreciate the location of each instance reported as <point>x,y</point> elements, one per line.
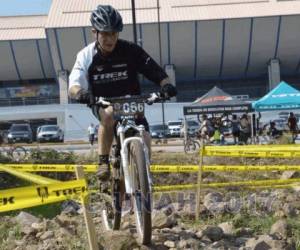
<point>149,99</point>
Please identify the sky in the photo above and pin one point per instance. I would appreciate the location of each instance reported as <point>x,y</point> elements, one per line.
<point>24,7</point>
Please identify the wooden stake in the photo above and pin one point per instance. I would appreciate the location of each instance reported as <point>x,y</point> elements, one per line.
<point>199,180</point>
<point>90,227</point>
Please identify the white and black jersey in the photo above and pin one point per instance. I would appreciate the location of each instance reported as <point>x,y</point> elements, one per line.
<point>116,74</point>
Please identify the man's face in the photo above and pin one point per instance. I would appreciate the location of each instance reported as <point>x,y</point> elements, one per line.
<point>107,40</point>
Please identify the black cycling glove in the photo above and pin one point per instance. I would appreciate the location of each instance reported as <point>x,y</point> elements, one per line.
<point>83,96</point>
<point>168,90</point>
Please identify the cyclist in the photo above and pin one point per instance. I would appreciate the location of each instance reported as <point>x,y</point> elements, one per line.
<point>206,129</point>
<point>109,67</point>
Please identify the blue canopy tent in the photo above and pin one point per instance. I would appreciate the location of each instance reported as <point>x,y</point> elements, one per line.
<point>282,97</point>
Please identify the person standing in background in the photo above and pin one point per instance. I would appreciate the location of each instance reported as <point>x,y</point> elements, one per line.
<point>292,123</point>
<point>245,129</point>
<point>235,128</point>
<point>91,130</point>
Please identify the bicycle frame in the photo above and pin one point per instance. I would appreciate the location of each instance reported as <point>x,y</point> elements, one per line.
<point>128,173</point>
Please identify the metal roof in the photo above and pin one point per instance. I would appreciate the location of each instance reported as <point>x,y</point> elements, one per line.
<point>76,13</point>
<point>22,27</point>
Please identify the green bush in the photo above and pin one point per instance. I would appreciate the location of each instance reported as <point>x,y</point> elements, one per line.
<point>51,156</point>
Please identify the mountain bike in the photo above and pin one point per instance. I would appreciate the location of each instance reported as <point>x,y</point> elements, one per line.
<point>16,153</point>
<point>130,167</point>
<point>191,144</point>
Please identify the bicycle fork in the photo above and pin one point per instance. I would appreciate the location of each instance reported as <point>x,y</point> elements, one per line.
<point>124,157</point>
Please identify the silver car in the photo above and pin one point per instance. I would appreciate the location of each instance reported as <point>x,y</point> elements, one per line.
<point>47,133</point>
<point>159,131</point>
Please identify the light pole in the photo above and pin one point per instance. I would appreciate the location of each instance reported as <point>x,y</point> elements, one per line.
<point>134,21</point>
<point>160,60</point>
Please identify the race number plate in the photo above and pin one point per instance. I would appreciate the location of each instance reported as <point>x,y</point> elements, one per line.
<point>128,109</point>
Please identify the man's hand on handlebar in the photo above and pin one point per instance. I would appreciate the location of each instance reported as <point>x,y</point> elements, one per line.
<point>154,97</point>
<point>102,103</point>
<point>83,96</point>
<point>168,90</point>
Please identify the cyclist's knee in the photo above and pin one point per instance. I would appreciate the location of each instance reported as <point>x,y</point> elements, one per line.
<point>106,117</point>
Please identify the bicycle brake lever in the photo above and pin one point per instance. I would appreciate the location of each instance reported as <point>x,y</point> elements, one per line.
<point>100,101</point>
<point>153,98</point>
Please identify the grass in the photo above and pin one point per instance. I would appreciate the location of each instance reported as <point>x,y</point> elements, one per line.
<point>164,158</point>
<point>295,224</point>
<point>8,228</point>
<point>259,224</point>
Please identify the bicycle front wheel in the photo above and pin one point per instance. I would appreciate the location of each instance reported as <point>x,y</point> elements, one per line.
<point>112,211</point>
<point>18,153</point>
<point>191,146</point>
<point>141,189</point>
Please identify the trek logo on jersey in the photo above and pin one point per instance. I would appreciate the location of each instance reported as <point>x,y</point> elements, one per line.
<point>111,77</point>
<point>119,65</point>
<point>99,68</point>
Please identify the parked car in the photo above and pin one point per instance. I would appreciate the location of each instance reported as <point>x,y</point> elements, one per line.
<point>47,133</point>
<point>174,128</point>
<point>192,127</point>
<point>159,131</point>
<point>20,133</point>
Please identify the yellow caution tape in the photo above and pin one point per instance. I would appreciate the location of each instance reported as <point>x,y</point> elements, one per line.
<point>93,191</point>
<point>292,185</point>
<point>219,168</point>
<point>154,168</point>
<point>174,187</point>
<point>50,167</point>
<point>28,176</point>
<point>252,183</point>
<point>282,151</point>
<point>90,168</point>
<point>252,153</point>
<point>289,147</point>
<point>173,168</point>
<point>19,198</point>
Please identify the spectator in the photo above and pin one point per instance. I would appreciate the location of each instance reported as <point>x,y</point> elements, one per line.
<point>292,123</point>
<point>245,129</point>
<point>235,128</point>
<point>273,131</point>
<point>206,129</point>
<point>92,131</point>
